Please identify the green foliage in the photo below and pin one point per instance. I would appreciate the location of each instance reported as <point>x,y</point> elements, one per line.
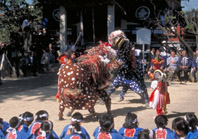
<point>189,26</point>
<point>15,11</point>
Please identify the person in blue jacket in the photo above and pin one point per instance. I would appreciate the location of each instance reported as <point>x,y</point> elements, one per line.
<point>12,130</point>
<point>107,125</point>
<point>41,116</point>
<point>45,131</point>
<point>195,66</point>
<point>192,122</point>
<point>180,128</point>
<point>162,131</point>
<point>98,129</point>
<point>146,134</point>
<point>184,64</point>
<point>75,128</point>
<point>130,128</point>
<point>2,136</point>
<point>26,120</point>
<point>3,126</point>
<point>74,132</point>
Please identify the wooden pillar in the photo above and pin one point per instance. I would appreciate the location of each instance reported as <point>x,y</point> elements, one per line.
<point>110,19</point>
<point>63,29</point>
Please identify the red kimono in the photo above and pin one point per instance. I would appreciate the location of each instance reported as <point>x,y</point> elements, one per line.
<point>159,97</point>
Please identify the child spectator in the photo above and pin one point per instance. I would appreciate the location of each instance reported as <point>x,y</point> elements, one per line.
<point>3,126</point>
<point>130,128</point>
<point>75,128</point>
<point>45,132</point>
<point>45,60</point>
<point>159,98</point>
<point>107,125</point>
<point>162,132</point>
<point>146,134</point>
<point>25,120</point>
<point>181,128</point>
<point>41,115</point>
<point>192,122</point>
<point>12,130</point>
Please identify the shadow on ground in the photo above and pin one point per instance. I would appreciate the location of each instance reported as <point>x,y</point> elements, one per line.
<point>115,113</point>
<point>177,114</point>
<point>16,88</point>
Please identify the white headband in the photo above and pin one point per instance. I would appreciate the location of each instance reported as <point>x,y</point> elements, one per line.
<point>43,115</point>
<point>135,121</point>
<point>28,119</point>
<point>76,120</point>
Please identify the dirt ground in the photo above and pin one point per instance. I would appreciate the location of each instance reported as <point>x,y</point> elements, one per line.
<point>28,96</point>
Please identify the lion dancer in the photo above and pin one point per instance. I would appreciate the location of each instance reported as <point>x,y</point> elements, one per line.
<point>62,60</point>
<point>159,97</point>
<point>130,75</point>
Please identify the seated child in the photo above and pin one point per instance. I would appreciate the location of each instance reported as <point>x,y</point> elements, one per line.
<point>130,128</point>
<point>26,120</point>
<point>12,131</point>
<point>180,128</point>
<point>3,127</point>
<point>192,122</point>
<point>46,131</point>
<point>41,115</point>
<point>106,128</point>
<point>146,134</point>
<point>162,131</point>
<point>75,128</point>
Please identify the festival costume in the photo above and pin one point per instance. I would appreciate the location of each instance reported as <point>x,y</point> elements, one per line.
<point>190,135</point>
<point>62,59</point>
<point>98,129</point>
<point>13,134</point>
<point>130,74</point>
<point>74,136</point>
<point>193,135</point>
<point>157,62</point>
<point>34,127</point>
<point>23,129</point>
<point>130,133</point>
<point>163,133</point>
<point>64,132</point>
<point>1,135</point>
<point>159,98</point>
<point>43,135</point>
<point>104,135</point>
<point>5,127</point>
<point>83,82</point>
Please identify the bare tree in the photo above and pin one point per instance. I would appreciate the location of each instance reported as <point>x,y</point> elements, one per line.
<point>191,18</point>
<point>172,18</point>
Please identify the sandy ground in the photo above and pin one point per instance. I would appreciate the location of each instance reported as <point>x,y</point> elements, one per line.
<point>15,100</point>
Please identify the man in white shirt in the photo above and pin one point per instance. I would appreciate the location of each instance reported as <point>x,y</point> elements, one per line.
<point>172,64</point>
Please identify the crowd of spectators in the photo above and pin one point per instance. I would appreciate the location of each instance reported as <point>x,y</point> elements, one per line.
<point>37,60</point>
<point>28,126</point>
<point>174,63</point>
